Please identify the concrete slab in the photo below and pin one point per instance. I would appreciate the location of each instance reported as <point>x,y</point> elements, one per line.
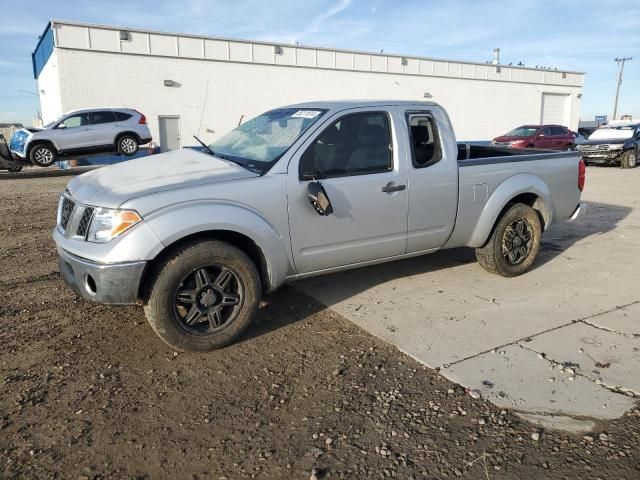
<point>600,355</point>
<point>517,379</point>
<point>624,320</point>
<point>444,309</point>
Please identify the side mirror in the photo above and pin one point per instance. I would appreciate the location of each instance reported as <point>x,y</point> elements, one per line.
<point>319,199</point>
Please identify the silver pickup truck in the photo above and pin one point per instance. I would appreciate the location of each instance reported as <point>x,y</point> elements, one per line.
<point>198,236</point>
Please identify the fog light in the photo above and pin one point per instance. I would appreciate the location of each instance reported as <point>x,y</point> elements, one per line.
<point>90,285</point>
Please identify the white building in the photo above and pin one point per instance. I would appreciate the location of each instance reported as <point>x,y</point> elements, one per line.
<point>187,84</point>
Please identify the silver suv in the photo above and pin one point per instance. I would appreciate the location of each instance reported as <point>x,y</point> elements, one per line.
<point>83,132</point>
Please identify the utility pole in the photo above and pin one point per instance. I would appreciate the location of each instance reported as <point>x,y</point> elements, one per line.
<point>620,62</point>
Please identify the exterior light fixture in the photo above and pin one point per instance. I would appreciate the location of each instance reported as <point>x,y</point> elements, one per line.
<point>277,49</point>
<point>168,83</point>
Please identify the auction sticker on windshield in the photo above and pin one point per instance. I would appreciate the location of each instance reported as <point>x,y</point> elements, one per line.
<point>306,114</point>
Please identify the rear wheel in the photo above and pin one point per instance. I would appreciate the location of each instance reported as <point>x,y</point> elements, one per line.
<point>15,169</point>
<point>128,145</point>
<point>42,155</point>
<point>514,242</point>
<point>629,159</point>
<point>203,296</point>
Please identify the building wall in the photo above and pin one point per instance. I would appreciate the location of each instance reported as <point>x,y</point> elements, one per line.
<point>50,90</point>
<point>222,81</point>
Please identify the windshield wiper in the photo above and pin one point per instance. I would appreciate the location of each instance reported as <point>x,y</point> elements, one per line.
<point>206,147</point>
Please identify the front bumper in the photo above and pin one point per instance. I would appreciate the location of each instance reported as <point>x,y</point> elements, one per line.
<point>115,283</point>
<point>581,209</point>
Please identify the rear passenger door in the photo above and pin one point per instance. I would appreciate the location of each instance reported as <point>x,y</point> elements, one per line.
<point>359,160</point>
<point>433,181</point>
<point>103,127</point>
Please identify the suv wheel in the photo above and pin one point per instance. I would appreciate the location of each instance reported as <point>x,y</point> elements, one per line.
<point>203,296</point>
<point>15,169</point>
<point>514,243</point>
<point>128,145</point>
<point>42,155</point>
<point>629,159</point>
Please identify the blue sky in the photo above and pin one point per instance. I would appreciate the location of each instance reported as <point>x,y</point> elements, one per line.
<point>581,35</point>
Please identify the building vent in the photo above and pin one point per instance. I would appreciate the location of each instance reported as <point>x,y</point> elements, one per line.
<point>277,49</point>
<point>564,74</point>
<point>124,35</point>
<point>404,61</point>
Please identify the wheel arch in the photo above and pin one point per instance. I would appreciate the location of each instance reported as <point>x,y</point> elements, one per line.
<point>126,132</point>
<point>238,240</point>
<point>527,189</point>
<point>37,141</point>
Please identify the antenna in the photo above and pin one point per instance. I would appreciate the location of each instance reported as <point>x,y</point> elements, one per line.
<point>620,62</point>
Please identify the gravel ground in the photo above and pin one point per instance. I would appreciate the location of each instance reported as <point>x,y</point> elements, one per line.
<point>88,391</point>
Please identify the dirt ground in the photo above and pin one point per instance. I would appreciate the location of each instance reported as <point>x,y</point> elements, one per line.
<point>88,391</point>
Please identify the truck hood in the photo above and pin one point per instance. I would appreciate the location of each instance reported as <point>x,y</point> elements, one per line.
<point>111,186</point>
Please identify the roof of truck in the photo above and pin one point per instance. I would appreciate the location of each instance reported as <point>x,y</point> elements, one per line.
<point>342,104</point>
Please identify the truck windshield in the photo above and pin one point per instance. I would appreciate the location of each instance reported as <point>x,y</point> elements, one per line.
<point>522,132</point>
<point>260,142</point>
<point>613,133</point>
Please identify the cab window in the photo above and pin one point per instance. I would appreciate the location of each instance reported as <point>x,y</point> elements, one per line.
<point>357,144</point>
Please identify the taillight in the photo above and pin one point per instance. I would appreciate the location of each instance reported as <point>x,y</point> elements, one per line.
<point>143,119</point>
<point>582,173</point>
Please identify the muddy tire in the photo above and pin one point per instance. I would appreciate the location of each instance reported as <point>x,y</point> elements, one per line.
<point>203,296</point>
<point>629,159</point>
<point>514,242</point>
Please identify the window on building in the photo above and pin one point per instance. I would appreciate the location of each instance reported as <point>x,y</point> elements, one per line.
<point>357,144</point>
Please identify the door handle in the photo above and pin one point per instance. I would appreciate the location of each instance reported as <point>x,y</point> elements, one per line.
<point>392,187</point>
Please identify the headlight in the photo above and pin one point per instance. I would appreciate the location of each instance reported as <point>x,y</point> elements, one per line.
<point>517,142</point>
<point>108,224</point>
<point>616,146</point>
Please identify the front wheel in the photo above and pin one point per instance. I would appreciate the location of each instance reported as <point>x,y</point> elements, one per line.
<point>204,296</point>
<point>128,145</point>
<point>514,242</point>
<point>629,159</point>
<point>15,169</point>
<point>42,155</point>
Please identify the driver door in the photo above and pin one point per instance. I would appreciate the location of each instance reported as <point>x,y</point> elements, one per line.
<point>356,160</point>
<point>75,134</point>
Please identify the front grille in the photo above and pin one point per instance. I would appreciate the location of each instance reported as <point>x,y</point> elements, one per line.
<point>594,148</point>
<point>85,221</point>
<point>65,213</point>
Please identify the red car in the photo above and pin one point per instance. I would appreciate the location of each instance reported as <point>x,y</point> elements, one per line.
<point>546,137</point>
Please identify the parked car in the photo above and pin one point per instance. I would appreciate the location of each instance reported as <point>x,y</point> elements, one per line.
<point>545,137</point>
<point>82,132</point>
<point>615,143</point>
<point>309,189</point>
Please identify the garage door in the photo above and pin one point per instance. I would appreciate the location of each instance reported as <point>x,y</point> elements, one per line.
<point>555,109</point>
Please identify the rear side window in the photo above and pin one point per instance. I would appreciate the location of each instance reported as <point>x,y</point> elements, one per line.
<point>425,146</point>
<point>102,117</point>
<point>558,131</point>
<point>121,116</point>
<point>357,144</point>
<point>547,132</point>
